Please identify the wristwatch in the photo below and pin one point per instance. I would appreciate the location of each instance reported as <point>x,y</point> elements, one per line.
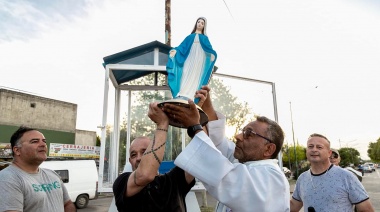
<point>193,129</point>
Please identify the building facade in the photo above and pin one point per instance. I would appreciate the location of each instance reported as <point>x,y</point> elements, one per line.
<point>55,119</point>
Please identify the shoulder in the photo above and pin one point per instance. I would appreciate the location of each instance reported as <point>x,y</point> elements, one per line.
<point>187,41</point>
<point>191,36</point>
<point>176,175</point>
<point>45,170</point>
<point>120,183</point>
<point>6,173</point>
<point>9,173</point>
<point>203,36</point>
<point>267,168</point>
<point>123,175</point>
<point>122,179</point>
<point>270,164</point>
<point>337,170</point>
<point>303,175</point>
<point>343,177</point>
<point>11,178</point>
<point>50,174</point>
<point>48,171</point>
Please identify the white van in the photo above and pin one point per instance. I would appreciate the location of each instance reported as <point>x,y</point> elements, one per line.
<point>80,178</point>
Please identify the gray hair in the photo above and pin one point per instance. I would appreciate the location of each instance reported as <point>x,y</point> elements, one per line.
<point>274,133</point>
<point>320,136</point>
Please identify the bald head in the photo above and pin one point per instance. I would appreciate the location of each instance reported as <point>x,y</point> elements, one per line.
<point>137,149</point>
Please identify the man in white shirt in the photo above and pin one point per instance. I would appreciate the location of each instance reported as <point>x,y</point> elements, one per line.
<point>256,182</point>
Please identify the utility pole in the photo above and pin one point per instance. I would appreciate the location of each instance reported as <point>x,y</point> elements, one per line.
<point>290,167</point>
<point>168,31</point>
<point>294,142</point>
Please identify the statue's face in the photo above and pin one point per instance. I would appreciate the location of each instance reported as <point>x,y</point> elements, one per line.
<point>200,24</point>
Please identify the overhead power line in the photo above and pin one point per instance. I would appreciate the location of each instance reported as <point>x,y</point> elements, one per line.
<point>228,10</point>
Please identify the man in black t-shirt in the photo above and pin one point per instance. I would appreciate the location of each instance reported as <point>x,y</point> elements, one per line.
<point>144,189</point>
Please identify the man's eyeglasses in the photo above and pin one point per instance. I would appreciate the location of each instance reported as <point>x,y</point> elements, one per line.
<point>334,155</point>
<point>250,133</point>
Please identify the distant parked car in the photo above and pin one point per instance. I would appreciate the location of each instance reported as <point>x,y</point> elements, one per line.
<point>372,166</point>
<point>367,168</point>
<point>287,172</point>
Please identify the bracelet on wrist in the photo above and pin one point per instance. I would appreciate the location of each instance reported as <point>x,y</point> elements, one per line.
<point>162,129</point>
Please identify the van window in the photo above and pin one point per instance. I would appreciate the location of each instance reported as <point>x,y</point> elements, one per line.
<point>64,175</point>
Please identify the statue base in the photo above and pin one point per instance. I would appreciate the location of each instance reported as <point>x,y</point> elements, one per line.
<point>183,103</point>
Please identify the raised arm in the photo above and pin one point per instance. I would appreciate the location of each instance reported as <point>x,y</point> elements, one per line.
<point>216,125</point>
<point>151,160</point>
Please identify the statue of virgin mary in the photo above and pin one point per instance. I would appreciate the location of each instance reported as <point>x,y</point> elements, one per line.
<point>191,63</point>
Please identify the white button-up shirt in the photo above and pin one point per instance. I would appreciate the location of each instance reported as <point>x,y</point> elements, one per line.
<point>252,186</point>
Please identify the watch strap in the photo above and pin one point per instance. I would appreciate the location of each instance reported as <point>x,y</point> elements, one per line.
<point>193,129</point>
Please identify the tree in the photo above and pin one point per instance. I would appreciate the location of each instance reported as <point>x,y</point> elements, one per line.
<point>349,156</point>
<point>288,155</point>
<point>97,140</point>
<point>374,151</point>
<point>237,113</point>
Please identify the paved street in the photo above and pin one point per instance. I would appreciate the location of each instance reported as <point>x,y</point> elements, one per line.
<point>371,182</point>
<point>99,205</point>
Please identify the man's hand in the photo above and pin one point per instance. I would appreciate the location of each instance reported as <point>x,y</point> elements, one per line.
<point>157,115</point>
<point>202,95</point>
<point>187,116</point>
<point>205,102</point>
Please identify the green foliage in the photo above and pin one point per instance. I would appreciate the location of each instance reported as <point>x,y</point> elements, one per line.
<point>236,112</point>
<point>288,156</point>
<point>97,140</point>
<point>374,151</point>
<point>349,156</point>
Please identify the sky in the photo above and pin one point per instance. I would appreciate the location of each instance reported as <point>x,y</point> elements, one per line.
<point>323,56</point>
